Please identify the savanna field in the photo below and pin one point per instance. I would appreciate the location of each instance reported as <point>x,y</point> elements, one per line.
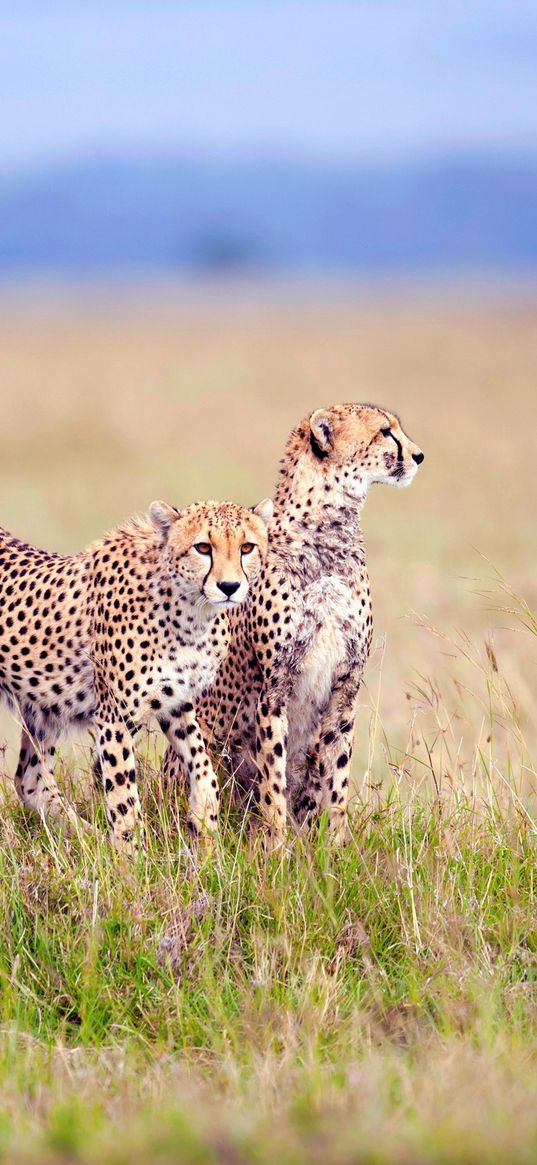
<point>373,1005</point>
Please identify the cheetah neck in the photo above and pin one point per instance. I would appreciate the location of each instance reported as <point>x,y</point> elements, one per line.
<point>304,487</point>
<point>305,494</point>
<point>320,532</point>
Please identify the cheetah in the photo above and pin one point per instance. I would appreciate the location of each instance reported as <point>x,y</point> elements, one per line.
<point>283,704</point>
<point>131,629</point>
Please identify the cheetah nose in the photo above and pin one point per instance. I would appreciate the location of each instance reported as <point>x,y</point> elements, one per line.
<point>228,588</point>
<point>418,457</point>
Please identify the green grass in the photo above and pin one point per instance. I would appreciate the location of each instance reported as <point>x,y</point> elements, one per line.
<point>260,1009</point>
<point>374,1004</point>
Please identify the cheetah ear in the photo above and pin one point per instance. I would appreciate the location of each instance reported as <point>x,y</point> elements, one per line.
<point>163,516</point>
<point>321,434</point>
<point>264,510</point>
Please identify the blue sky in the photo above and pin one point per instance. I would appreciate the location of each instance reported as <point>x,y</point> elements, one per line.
<point>329,79</point>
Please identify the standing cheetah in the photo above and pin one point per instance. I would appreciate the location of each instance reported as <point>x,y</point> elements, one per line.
<point>132,628</point>
<point>284,701</point>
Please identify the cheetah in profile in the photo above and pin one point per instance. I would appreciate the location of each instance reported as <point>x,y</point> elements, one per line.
<point>130,629</point>
<point>283,703</point>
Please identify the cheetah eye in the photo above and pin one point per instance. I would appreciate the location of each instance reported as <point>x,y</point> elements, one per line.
<point>386,432</point>
<point>247,547</point>
<point>203,548</point>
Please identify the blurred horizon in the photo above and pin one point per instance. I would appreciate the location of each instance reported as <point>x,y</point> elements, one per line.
<point>343,137</point>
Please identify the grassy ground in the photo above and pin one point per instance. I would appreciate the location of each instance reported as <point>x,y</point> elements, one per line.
<point>376,1005</point>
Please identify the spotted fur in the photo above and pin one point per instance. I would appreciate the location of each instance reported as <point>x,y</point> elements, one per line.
<point>283,704</point>
<point>130,629</point>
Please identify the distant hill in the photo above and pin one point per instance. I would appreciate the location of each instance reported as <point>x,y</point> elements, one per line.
<point>181,214</point>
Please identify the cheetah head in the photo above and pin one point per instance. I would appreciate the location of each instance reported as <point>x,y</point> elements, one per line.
<point>213,551</point>
<point>357,445</point>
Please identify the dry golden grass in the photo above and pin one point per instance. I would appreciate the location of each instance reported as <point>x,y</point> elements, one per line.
<point>106,407</point>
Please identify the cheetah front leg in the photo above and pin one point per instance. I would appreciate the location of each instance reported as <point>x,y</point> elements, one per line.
<point>335,755</point>
<point>329,764</point>
<point>309,801</point>
<point>271,761</point>
<point>117,763</point>
<point>35,783</point>
<point>184,734</point>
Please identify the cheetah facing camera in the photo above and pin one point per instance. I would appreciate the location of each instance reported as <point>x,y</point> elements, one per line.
<point>284,701</point>
<point>130,629</point>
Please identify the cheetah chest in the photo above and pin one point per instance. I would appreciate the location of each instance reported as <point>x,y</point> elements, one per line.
<point>329,632</point>
<point>180,677</point>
